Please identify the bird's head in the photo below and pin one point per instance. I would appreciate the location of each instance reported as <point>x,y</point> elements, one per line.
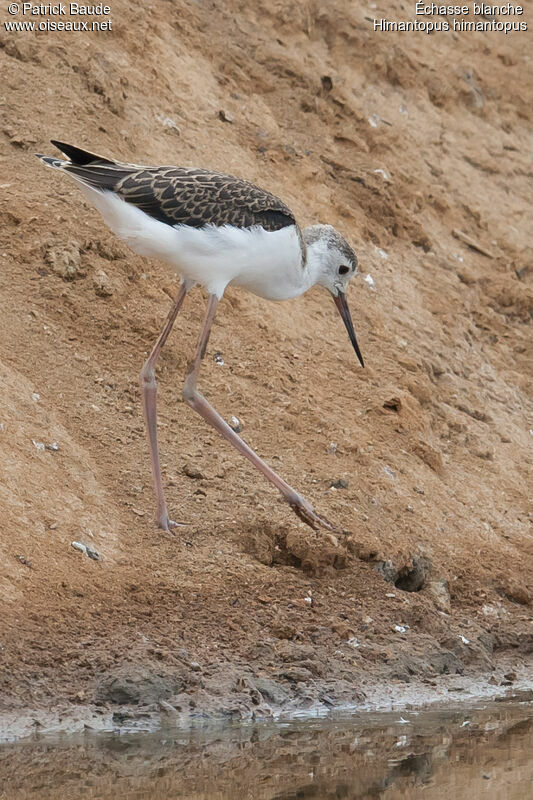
<point>336,264</point>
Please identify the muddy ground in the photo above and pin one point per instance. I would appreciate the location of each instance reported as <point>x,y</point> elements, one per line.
<point>418,148</point>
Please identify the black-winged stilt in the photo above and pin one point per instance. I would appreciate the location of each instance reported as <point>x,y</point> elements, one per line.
<point>217,231</point>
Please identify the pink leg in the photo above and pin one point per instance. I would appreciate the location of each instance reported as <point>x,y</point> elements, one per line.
<point>198,403</point>
<point>148,385</point>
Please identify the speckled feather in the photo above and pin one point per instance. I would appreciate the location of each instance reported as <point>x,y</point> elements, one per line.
<point>181,195</point>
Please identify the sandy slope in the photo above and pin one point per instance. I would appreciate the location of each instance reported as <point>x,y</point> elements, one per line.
<point>398,141</point>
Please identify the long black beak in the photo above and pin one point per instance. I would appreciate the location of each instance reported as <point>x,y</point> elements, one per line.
<point>344,311</point>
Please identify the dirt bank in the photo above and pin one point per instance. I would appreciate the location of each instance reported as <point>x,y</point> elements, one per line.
<point>412,146</point>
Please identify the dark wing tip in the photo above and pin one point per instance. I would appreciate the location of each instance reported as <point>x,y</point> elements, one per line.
<point>78,156</point>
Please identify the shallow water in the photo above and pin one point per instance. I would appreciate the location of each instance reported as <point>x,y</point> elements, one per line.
<point>480,752</point>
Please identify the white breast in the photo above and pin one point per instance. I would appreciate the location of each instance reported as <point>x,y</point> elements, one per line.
<point>267,263</point>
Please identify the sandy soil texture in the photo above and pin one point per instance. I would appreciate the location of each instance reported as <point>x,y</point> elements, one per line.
<point>418,148</point>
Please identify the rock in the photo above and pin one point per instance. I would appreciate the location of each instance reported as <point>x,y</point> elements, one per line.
<point>235,424</point>
<point>271,691</point>
<point>438,591</point>
<point>386,569</point>
<point>192,472</point>
<point>93,553</point>
<point>225,116</point>
<point>292,651</point>
<point>64,259</point>
<point>135,686</point>
<point>102,284</point>
<point>88,550</point>
<point>296,674</point>
<point>340,484</point>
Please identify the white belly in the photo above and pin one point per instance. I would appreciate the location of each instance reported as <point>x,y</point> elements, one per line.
<point>267,263</point>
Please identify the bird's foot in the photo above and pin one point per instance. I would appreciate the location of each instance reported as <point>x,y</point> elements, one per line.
<point>166,524</point>
<point>307,514</point>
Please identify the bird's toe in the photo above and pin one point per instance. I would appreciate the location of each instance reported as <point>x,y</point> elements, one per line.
<point>166,524</point>
<point>308,515</point>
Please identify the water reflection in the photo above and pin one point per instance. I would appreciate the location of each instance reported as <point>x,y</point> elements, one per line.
<point>487,753</point>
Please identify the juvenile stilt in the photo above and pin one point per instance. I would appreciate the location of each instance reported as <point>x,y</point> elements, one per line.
<point>214,230</point>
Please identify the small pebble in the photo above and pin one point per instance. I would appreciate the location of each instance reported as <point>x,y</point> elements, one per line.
<point>401,628</point>
<point>384,175</point>
<point>102,284</point>
<point>168,123</point>
<point>235,425</point>
<point>340,484</point>
<point>87,549</point>
<point>192,472</point>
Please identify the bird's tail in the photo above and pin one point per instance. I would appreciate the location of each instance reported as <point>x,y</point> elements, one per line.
<point>76,155</point>
<point>90,169</point>
<point>51,161</point>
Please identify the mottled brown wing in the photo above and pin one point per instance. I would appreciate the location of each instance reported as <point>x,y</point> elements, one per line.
<point>196,197</point>
<point>180,195</point>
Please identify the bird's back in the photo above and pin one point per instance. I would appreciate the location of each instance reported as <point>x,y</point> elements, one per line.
<point>178,195</point>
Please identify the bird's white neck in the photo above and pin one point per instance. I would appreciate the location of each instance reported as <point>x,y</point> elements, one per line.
<point>314,265</point>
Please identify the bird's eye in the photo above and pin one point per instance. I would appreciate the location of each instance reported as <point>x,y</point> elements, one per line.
<point>343,270</point>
